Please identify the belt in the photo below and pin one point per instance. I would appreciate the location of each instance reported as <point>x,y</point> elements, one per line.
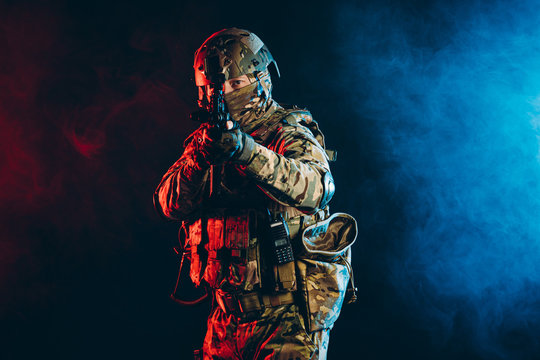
<point>248,302</point>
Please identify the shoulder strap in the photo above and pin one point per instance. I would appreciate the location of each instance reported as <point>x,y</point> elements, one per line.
<point>304,118</point>
<point>292,115</point>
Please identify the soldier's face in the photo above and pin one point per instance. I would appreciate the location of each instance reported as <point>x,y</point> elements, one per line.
<point>228,87</point>
<point>236,83</point>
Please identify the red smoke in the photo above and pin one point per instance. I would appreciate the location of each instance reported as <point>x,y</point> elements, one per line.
<point>26,37</point>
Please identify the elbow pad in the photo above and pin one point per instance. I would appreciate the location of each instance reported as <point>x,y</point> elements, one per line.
<point>328,191</point>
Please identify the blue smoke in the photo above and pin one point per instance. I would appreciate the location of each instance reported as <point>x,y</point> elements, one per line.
<point>453,91</point>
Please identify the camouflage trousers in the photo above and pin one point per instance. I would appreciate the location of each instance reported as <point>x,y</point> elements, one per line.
<point>278,333</point>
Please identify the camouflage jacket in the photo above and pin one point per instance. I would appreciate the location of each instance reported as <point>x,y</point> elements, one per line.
<point>288,172</point>
<point>288,167</point>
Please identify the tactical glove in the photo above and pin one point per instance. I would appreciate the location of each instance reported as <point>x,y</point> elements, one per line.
<point>218,146</point>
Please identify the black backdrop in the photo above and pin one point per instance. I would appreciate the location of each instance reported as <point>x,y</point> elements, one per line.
<point>94,100</point>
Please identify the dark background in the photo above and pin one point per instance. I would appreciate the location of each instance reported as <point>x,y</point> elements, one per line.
<point>94,104</point>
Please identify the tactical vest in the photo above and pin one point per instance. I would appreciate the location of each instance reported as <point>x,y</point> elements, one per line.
<point>225,245</point>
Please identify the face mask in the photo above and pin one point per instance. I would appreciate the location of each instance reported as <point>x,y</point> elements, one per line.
<point>249,104</point>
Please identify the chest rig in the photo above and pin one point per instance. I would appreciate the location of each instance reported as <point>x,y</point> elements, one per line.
<point>228,246</point>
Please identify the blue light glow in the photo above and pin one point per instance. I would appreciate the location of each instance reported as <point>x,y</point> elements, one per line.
<point>454,94</point>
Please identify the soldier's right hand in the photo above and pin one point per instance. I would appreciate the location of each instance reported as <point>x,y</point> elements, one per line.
<point>218,146</point>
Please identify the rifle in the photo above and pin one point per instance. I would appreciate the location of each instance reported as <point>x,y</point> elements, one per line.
<point>216,115</point>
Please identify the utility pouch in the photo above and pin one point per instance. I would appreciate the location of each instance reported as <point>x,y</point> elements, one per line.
<point>324,269</point>
<point>193,241</point>
<point>244,268</point>
<point>213,273</point>
<point>285,277</point>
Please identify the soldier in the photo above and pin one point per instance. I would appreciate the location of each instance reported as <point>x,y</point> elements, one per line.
<point>250,193</point>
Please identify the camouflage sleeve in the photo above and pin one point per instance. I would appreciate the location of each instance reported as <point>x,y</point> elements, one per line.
<point>293,169</point>
<point>181,190</point>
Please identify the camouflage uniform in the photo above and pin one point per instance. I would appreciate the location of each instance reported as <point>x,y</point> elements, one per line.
<point>290,167</point>
<point>283,167</point>
<point>279,333</point>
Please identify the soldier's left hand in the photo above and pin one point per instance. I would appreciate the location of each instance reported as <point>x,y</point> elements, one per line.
<point>219,146</point>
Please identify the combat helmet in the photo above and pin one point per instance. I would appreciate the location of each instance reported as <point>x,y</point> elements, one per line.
<point>233,52</point>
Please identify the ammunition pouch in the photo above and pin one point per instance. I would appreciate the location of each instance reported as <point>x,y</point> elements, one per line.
<point>223,250</point>
<point>324,269</point>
